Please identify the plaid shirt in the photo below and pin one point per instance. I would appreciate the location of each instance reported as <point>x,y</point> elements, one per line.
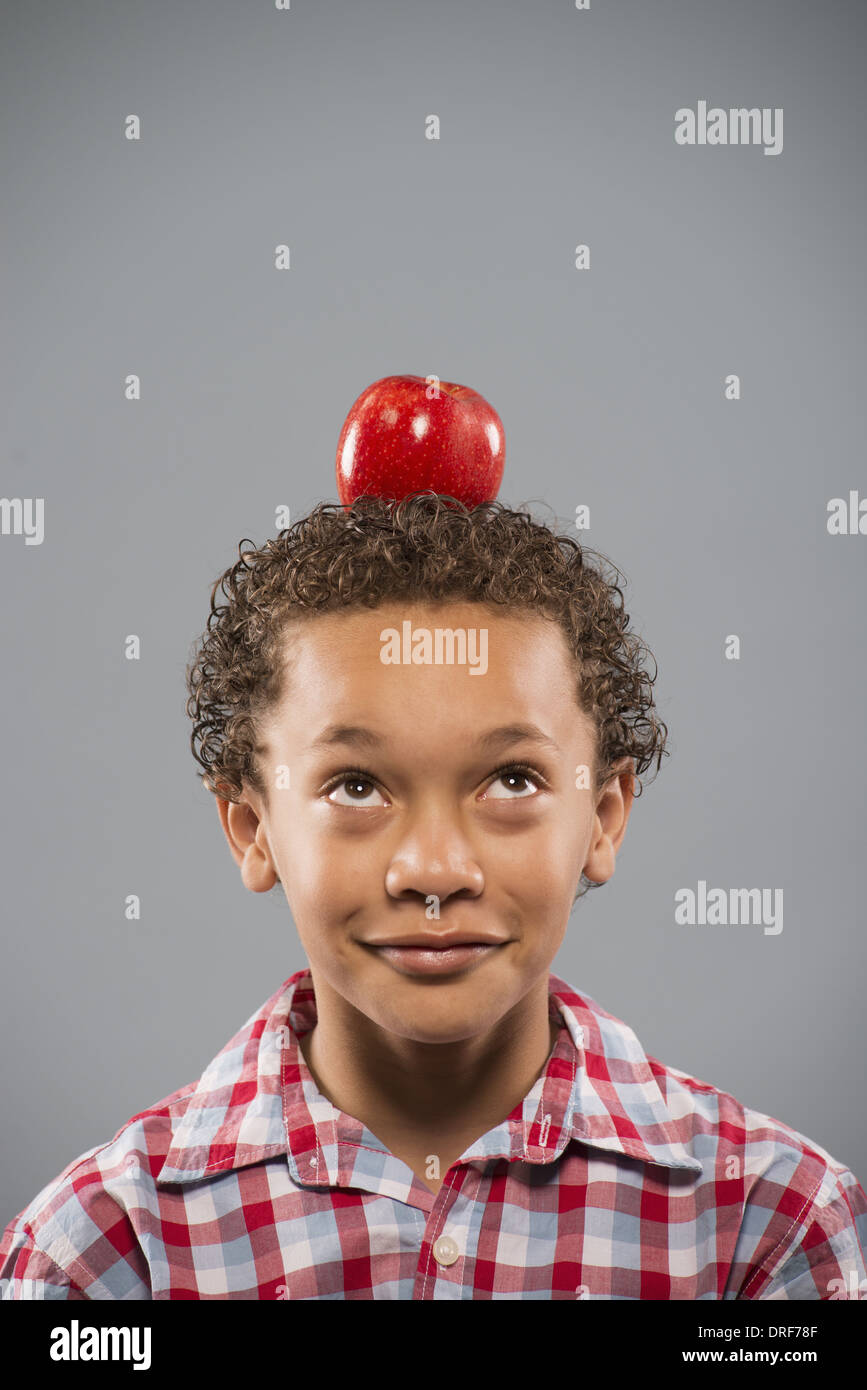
<point>615,1178</point>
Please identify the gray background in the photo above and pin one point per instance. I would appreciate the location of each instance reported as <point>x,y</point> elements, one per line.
<point>456,258</point>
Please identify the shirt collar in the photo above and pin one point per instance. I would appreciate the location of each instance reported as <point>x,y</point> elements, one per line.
<point>257,1099</point>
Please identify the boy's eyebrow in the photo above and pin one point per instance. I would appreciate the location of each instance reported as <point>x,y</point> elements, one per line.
<point>494,738</point>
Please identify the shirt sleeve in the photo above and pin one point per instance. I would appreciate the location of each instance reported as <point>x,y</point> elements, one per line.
<point>26,1272</point>
<point>826,1260</point>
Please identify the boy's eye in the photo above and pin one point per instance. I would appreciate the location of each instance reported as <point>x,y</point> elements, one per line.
<point>510,775</point>
<point>357,785</point>
<point>360,784</point>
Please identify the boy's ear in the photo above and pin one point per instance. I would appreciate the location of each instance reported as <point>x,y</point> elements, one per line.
<point>610,821</point>
<point>246,837</point>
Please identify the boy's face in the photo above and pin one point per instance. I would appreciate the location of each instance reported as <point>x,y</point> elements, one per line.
<point>360,856</point>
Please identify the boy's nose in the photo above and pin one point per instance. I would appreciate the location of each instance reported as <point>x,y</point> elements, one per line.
<point>434,860</point>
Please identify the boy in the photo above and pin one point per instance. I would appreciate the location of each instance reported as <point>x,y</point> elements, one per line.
<point>424,722</point>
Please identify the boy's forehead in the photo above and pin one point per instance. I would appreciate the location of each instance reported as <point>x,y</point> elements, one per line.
<point>336,674</point>
<point>354,641</point>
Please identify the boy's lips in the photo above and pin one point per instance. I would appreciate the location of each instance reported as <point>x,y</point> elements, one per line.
<point>425,955</point>
<point>440,941</point>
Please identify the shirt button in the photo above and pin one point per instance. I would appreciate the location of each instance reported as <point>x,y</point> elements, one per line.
<point>445,1251</point>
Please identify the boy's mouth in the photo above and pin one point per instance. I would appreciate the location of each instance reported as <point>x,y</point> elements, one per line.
<point>435,955</point>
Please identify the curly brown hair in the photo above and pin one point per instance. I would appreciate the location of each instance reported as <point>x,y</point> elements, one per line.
<point>427,546</point>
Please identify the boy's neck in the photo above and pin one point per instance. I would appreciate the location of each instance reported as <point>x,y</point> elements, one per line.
<point>423,1096</point>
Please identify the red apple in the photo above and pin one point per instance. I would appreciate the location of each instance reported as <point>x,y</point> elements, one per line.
<point>405,434</point>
